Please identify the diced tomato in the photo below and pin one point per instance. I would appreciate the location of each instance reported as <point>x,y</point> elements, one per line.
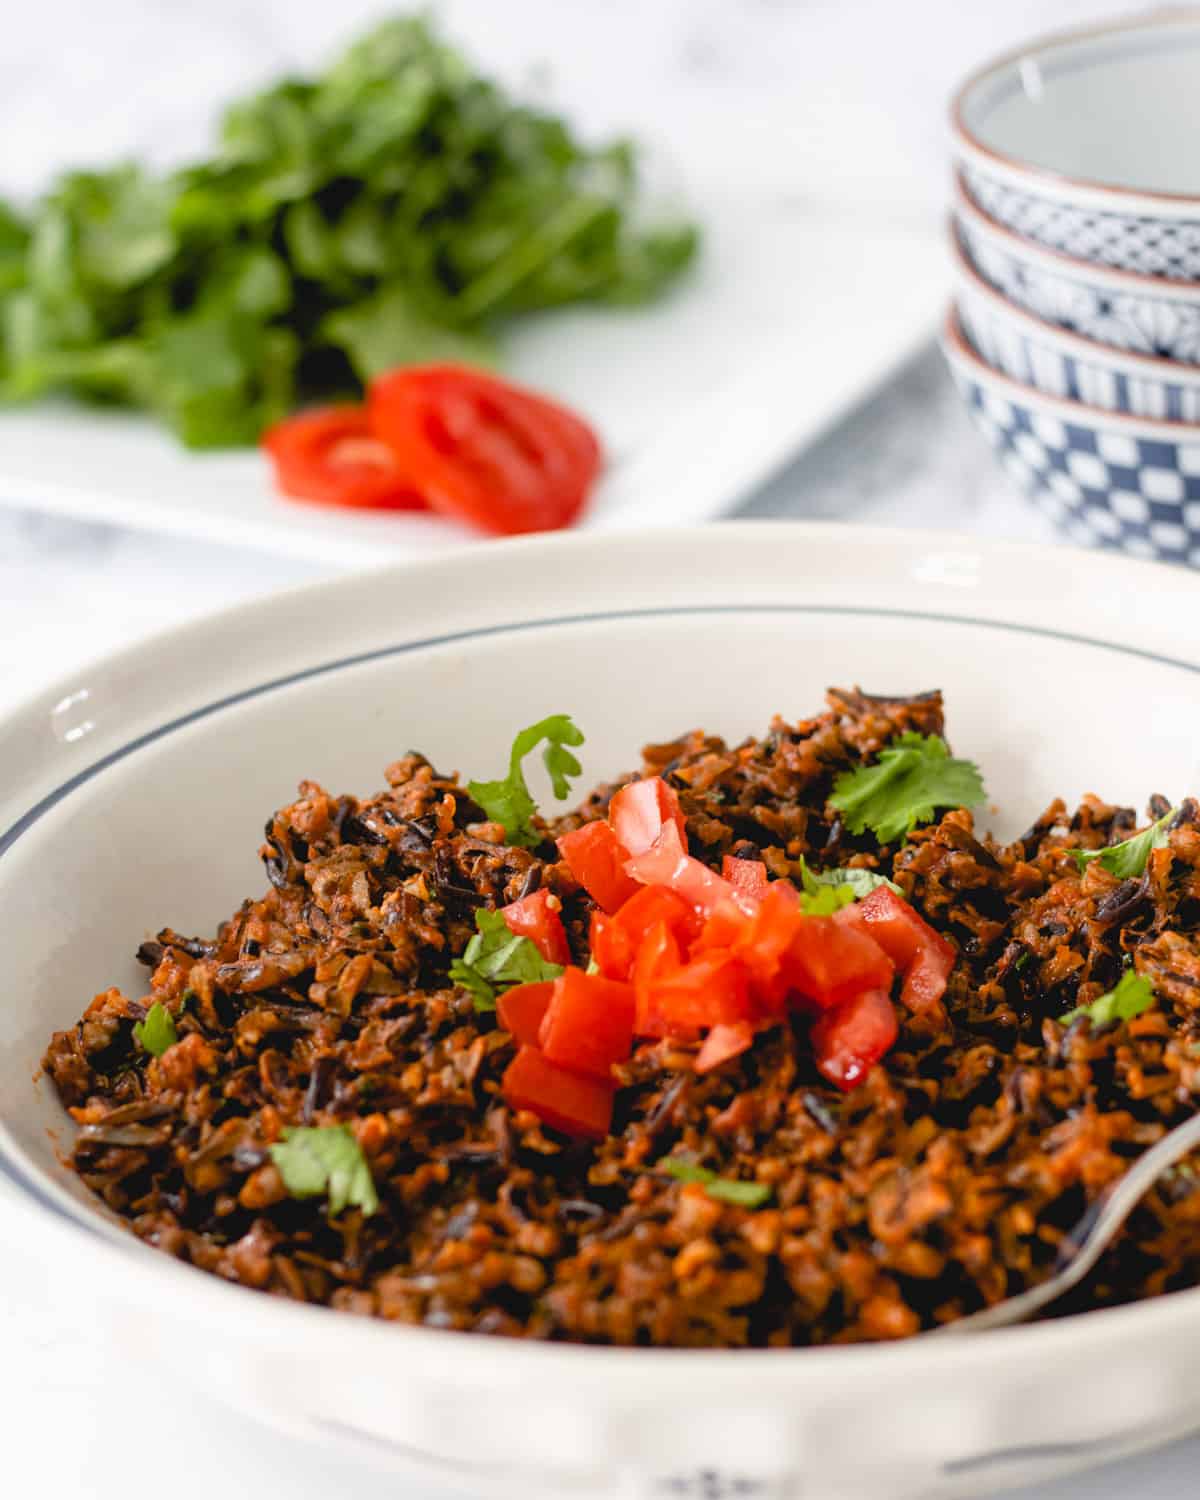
<point>921,954</point>
<point>658,955</point>
<point>484,450</point>
<point>748,876</point>
<point>597,860</point>
<point>588,1025</point>
<point>724,1042</point>
<point>765,942</point>
<point>667,863</point>
<point>712,989</point>
<point>536,917</point>
<point>639,812</point>
<point>332,457</point>
<point>521,1009</point>
<point>849,1040</point>
<point>828,962</point>
<point>565,1101</point>
<point>617,939</point>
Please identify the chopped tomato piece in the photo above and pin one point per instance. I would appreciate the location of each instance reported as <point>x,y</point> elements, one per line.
<point>484,450</point>
<point>565,1101</point>
<point>616,940</point>
<point>639,812</point>
<point>588,1025</point>
<point>723,1043</point>
<point>521,1009</point>
<point>828,962</point>
<point>658,955</point>
<point>597,859</point>
<point>536,917</point>
<point>922,955</point>
<point>331,456</point>
<point>669,864</point>
<point>748,876</point>
<point>712,989</point>
<point>849,1040</point>
<point>763,943</point>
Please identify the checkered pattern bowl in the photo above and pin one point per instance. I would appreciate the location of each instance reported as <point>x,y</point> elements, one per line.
<point>1107,479</point>
<point>1026,142</point>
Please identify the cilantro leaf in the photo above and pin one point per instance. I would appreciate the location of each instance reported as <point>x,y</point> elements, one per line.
<point>1128,860</point>
<point>723,1189</point>
<point>497,958</point>
<point>848,884</point>
<point>1133,995</point>
<point>913,777</point>
<point>315,1159</point>
<point>508,802</point>
<point>824,899</point>
<point>157,1032</point>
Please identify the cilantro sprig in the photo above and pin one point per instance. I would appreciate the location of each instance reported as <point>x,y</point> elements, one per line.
<point>508,801</point>
<point>1128,859</point>
<point>1132,995</point>
<point>496,959</point>
<point>912,778</point>
<point>316,1159</point>
<point>157,1032</point>
<point>723,1189</point>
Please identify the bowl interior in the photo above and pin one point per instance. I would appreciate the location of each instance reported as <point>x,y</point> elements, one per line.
<point>168,833</point>
<point>1116,108</point>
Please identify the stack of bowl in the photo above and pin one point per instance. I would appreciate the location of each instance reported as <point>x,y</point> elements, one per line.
<point>1075,333</point>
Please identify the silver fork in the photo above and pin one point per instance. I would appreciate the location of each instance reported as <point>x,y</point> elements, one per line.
<point>1106,1217</point>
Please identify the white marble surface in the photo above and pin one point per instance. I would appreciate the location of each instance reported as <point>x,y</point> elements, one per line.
<point>79,80</point>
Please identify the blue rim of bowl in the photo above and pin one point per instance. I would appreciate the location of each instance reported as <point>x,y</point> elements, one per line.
<point>19,1177</point>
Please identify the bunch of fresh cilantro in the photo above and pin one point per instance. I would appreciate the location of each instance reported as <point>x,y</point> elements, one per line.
<point>398,209</point>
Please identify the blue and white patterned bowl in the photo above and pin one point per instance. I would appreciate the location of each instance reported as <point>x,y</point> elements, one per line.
<point>1108,480</point>
<point>1065,364</point>
<point>1144,314</point>
<point>1126,196</point>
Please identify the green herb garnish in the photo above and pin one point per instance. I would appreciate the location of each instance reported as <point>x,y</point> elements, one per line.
<point>397,209</point>
<point>496,958</point>
<point>1133,995</point>
<point>316,1159</point>
<point>860,883</point>
<point>913,777</point>
<point>1128,860</point>
<point>508,802</point>
<point>157,1032</point>
<point>723,1189</point>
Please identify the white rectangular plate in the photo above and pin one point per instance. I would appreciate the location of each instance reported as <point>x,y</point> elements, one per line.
<point>786,321</point>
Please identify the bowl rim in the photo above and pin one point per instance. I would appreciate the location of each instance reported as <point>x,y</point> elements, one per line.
<point>958,350</point>
<point>1132,283</point>
<point>974,284</point>
<point>1046,180</point>
<point>287,1328</point>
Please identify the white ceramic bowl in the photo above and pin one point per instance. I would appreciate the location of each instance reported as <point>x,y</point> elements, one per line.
<point>1040,652</point>
<point>1060,363</point>
<point>1086,142</point>
<point>1108,480</point>
<point>1118,308</point>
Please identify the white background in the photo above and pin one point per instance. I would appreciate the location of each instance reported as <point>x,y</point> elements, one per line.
<point>840,101</point>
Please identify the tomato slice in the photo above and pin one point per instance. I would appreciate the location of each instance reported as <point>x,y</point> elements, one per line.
<point>521,1010</point>
<point>668,864</point>
<point>565,1101</point>
<point>724,1042</point>
<point>748,876</point>
<point>536,917</point>
<point>828,962</point>
<point>849,1040</point>
<point>597,860</point>
<point>484,450</point>
<point>588,1024</point>
<point>332,457</point>
<point>922,955</point>
<point>639,812</point>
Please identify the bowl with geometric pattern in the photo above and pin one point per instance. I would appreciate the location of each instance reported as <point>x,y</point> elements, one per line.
<point>1085,143</point>
<point>1061,363</point>
<point>1107,479</point>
